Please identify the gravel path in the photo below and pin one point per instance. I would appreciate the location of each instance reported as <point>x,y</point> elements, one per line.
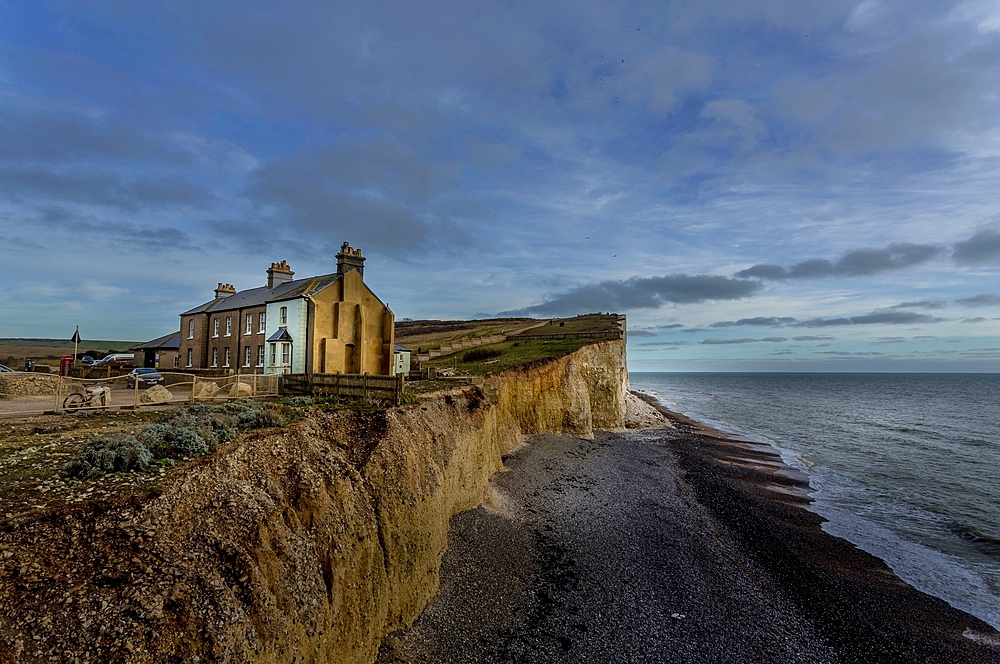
<point>666,546</point>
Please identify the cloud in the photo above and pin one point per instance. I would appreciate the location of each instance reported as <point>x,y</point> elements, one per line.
<point>744,340</point>
<point>882,317</point>
<point>920,304</point>
<point>641,333</point>
<point>981,248</point>
<point>977,319</point>
<point>380,194</point>
<point>759,321</point>
<point>860,262</point>
<point>811,337</point>
<point>642,293</point>
<point>663,344</point>
<point>101,188</point>
<point>981,300</point>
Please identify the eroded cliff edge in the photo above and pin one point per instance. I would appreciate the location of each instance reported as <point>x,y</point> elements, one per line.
<point>304,544</point>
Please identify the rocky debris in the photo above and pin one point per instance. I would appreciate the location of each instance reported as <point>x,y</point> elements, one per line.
<point>240,390</point>
<point>156,394</point>
<point>21,384</point>
<point>205,389</point>
<point>640,415</point>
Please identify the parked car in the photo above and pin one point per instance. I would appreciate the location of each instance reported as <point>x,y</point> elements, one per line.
<point>116,360</point>
<point>87,359</point>
<point>3,368</point>
<point>147,376</point>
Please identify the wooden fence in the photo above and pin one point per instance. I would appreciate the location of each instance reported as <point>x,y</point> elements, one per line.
<point>347,386</point>
<point>604,334</point>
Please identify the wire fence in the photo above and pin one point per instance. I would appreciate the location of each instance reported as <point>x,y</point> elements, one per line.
<point>25,393</point>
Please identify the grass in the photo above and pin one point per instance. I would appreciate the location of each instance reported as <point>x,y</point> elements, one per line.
<point>48,350</point>
<point>585,323</point>
<point>513,353</point>
<point>432,334</point>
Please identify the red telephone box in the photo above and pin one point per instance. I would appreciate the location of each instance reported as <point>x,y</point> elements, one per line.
<point>65,362</point>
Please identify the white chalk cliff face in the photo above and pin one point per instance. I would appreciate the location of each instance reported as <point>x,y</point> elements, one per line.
<point>308,543</point>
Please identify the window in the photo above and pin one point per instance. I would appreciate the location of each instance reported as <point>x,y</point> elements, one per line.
<point>286,353</point>
<point>229,326</point>
<point>274,354</point>
<point>249,329</point>
<point>284,316</point>
<point>191,329</point>
<point>177,361</point>
<point>246,359</point>
<point>190,357</point>
<point>261,327</point>
<point>215,327</point>
<point>215,357</point>
<point>260,356</point>
<point>227,356</point>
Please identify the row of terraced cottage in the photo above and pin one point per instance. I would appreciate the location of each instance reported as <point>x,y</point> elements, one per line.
<point>331,323</point>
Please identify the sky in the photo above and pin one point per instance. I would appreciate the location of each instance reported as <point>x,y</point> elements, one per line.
<point>768,185</point>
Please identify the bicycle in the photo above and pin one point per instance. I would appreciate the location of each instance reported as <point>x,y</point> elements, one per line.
<point>93,397</point>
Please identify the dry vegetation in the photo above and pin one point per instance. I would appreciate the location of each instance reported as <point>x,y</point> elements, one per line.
<point>48,351</point>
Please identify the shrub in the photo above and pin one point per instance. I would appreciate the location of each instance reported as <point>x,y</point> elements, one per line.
<point>298,402</point>
<point>191,431</point>
<point>479,354</point>
<point>109,455</point>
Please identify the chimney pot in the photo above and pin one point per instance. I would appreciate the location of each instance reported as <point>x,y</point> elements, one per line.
<point>350,258</point>
<point>278,273</point>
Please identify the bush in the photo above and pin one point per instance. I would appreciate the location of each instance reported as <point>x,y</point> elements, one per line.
<point>298,402</point>
<point>479,354</point>
<point>109,455</point>
<point>191,431</point>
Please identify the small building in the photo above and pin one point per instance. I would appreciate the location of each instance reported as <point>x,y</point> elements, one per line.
<point>331,323</point>
<point>400,360</point>
<point>162,353</point>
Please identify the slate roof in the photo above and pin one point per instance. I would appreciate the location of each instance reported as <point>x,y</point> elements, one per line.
<point>167,342</point>
<point>281,335</point>
<point>397,348</point>
<point>256,297</point>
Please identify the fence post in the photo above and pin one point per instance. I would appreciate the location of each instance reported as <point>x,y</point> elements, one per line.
<point>364,389</point>
<point>55,406</point>
<point>399,388</point>
<point>135,393</point>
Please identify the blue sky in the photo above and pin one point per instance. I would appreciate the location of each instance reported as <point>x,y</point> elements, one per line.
<point>769,185</point>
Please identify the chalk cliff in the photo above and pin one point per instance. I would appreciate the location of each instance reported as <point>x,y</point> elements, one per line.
<point>304,544</point>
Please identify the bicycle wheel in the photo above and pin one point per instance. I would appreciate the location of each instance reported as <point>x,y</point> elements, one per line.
<point>73,402</point>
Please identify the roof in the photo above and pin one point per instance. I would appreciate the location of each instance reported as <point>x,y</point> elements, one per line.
<point>257,297</point>
<point>168,341</point>
<point>281,335</point>
<point>399,349</point>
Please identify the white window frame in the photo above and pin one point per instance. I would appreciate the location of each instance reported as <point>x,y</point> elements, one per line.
<point>215,357</point>
<point>249,329</point>
<point>228,356</point>
<point>191,329</point>
<point>177,361</point>
<point>262,325</point>
<point>215,328</point>
<point>246,359</point>
<point>190,357</point>
<point>229,326</point>
<point>274,354</point>
<point>286,354</point>
<point>260,355</point>
<point>283,317</point>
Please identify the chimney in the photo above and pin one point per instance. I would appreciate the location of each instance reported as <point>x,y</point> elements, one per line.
<point>350,259</point>
<point>277,274</point>
<point>224,290</point>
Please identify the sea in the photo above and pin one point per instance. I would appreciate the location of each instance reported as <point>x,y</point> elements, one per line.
<point>904,466</point>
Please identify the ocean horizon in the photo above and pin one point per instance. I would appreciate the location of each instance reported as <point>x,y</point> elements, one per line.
<point>903,465</point>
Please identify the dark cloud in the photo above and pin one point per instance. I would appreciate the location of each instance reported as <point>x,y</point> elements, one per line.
<point>981,248</point>
<point>101,189</point>
<point>981,300</point>
<point>759,321</point>
<point>41,137</point>
<point>641,333</point>
<point>977,319</point>
<point>883,317</point>
<point>670,326</point>
<point>860,262</point>
<point>810,337</point>
<point>663,344</point>
<point>744,340</point>
<point>380,194</point>
<point>920,304</point>
<point>643,293</point>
